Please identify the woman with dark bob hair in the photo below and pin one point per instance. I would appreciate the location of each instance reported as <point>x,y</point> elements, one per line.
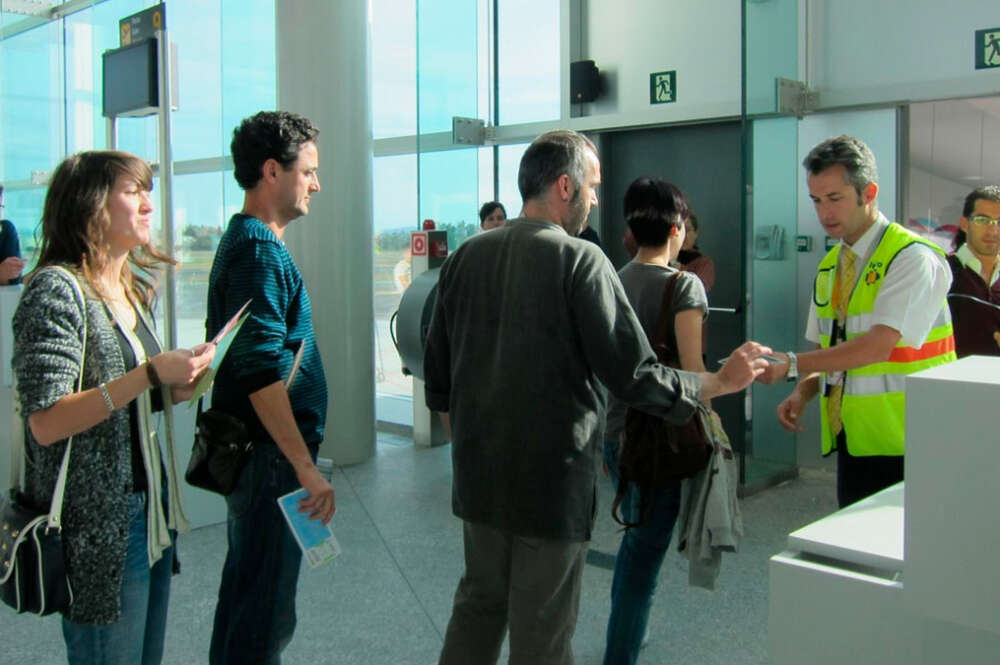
<point>122,505</point>
<point>655,211</point>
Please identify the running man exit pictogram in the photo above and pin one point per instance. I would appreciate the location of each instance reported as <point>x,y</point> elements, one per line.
<point>663,87</point>
<point>988,48</point>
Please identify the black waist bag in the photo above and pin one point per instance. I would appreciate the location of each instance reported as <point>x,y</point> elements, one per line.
<point>221,449</point>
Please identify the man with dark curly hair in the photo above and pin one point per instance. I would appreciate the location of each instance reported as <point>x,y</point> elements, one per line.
<point>276,163</point>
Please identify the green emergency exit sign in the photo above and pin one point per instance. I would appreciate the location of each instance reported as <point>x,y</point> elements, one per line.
<point>663,87</point>
<point>988,48</point>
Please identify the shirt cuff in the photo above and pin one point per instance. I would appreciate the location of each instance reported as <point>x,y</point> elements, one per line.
<point>258,380</point>
<point>689,389</point>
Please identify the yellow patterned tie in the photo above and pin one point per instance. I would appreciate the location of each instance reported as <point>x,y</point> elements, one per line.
<point>847,274</point>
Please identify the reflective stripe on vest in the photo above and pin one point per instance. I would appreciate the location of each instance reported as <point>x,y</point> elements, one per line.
<point>826,329</point>
<point>864,322</point>
<point>873,407</point>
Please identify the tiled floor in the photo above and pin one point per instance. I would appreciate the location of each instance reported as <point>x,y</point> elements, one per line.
<point>386,600</point>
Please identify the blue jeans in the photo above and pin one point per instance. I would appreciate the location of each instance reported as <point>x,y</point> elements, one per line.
<point>137,636</point>
<point>255,617</point>
<point>637,565</point>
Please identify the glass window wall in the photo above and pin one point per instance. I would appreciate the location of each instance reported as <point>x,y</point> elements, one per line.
<point>394,70</point>
<point>498,61</point>
<point>528,67</point>
<point>508,161</point>
<point>31,121</point>
<point>248,79</point>
<point>196,27</point>
<point>771,174</point>
<point>395,215</point>
<point>50,106</point>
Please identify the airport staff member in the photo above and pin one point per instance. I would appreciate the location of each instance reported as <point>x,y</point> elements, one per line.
<point>975,274</point>
<point>878,313</point>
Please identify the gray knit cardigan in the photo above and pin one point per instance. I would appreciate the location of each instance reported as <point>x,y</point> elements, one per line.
<point>47,352</point>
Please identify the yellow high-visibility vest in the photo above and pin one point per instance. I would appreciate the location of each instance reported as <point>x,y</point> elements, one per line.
<point>873,410</point>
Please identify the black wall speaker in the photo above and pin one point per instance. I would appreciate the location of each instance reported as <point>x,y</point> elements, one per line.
<point>584,82</point>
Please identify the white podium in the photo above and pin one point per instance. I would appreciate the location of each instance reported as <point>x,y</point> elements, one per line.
<point>908,578</point>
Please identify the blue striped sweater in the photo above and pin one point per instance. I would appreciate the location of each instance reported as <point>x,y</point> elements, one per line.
<point>251,263</point>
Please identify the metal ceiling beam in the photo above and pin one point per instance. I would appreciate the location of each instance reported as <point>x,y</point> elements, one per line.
<point>39,13</point>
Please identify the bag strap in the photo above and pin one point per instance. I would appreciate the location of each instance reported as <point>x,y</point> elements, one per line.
<point>621,493</point>
<point>16,439</point>
<point>664,351</point>
<point>55,509</point>
<point>666,354</point>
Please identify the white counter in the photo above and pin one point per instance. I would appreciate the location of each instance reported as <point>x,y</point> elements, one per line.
<point>868,533</point>
<point>907,577</point>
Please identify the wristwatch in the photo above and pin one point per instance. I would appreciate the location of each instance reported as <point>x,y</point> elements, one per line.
<point>793,367</point>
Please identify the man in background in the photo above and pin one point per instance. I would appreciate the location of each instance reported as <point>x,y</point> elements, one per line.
<point>974,298</point>
<point>11,263</point>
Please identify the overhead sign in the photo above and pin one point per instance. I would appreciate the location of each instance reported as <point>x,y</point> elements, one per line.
<point>142,25</point>
<point>663,87</point>
<point>988,48</point>
<point>418,243</point>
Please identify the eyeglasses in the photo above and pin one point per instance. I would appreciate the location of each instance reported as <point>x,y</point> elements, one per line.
<point>983,220</point>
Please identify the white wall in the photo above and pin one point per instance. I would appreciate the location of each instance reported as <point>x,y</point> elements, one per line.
<point>856,52</point>
<point>864,51</point>
<point>630,41</point>
<point>930,196</point>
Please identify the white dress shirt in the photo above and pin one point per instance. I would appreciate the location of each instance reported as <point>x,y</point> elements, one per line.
<point>913,289</point>
<point>972,262</point>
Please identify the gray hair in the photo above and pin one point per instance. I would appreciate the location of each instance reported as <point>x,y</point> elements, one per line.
<point>550,156</point>
<point>851,153</point>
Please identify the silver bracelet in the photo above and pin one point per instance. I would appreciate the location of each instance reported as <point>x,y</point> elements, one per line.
<point>107,397</point>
